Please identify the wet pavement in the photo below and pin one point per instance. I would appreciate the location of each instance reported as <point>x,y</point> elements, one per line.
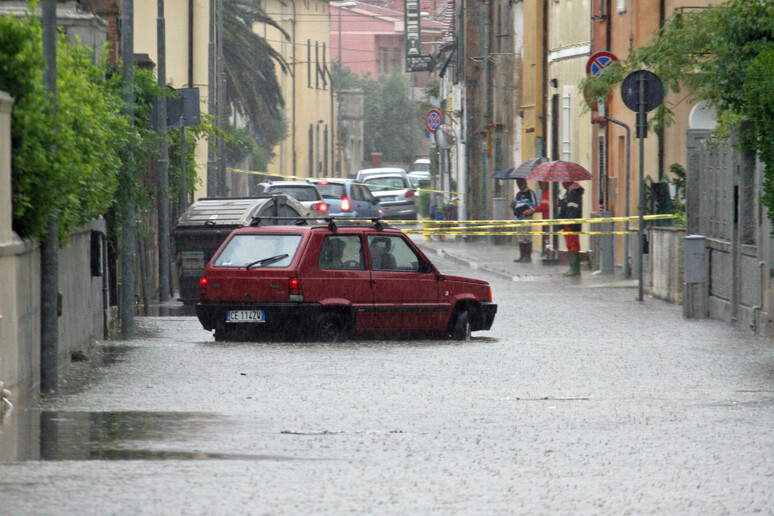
<point>578,401</point>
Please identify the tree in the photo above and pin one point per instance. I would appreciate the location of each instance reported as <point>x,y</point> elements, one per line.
<point>65,163</point>
<point>393,120</point>
<point>252,89</point>
<point>724,55</point>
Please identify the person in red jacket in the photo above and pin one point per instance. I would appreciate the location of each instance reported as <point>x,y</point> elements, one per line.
<point>571,207</point>
<point>544,208</point>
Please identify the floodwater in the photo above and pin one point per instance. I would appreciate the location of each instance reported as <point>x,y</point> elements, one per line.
<point>578,401</point>
<point>67,435</point>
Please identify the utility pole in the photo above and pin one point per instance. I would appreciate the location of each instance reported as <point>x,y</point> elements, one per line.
<point>212,183</point>
<point>49,251</point>
<point>163,162</point>
<point>127,209</point>
<point>221,103</point>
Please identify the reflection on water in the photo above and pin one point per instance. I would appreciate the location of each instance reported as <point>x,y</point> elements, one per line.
<point>62,435</point>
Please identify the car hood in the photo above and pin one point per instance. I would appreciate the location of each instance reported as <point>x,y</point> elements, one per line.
<point>463,279</point>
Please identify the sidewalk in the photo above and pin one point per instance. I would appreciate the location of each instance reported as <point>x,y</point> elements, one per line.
<point>482,254</point>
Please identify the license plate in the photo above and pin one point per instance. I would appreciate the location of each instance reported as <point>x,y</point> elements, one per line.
<point>245,316</point>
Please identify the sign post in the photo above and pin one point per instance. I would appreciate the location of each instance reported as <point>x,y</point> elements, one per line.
<point>642,91</point>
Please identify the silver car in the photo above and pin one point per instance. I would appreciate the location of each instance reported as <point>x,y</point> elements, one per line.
<point>396,196</point>
<point>305,193</point>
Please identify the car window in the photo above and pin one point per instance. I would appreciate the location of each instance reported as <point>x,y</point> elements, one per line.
<point>301,193</point>
<point>380,184</point>
<point>331,190</point>
<point>357,193</point>
<point>243,250</point>
<point>341,252</point>
<point>392,253</point>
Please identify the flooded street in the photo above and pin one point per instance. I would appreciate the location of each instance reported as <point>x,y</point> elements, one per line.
<point>578,401</point>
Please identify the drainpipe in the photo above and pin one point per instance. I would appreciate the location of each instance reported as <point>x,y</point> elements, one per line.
<point>293,84</point>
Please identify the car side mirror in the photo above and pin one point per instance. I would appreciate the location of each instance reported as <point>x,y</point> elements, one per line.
<point>425,267</point>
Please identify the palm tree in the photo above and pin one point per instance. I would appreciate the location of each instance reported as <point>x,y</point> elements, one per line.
<point>252,88</point>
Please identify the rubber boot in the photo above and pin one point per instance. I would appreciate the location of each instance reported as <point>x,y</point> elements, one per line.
<point>528,252</point>
<point>574,259</point>
<point>521,257</point>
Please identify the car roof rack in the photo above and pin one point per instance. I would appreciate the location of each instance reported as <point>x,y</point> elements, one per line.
<point>331,222</point>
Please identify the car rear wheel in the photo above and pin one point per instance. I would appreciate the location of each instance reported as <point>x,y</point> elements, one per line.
<point>330,328</point>
<point>461,329</point>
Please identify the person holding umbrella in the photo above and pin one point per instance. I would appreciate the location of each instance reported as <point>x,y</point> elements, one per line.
<point>523,206</point>
<point>571,207</point>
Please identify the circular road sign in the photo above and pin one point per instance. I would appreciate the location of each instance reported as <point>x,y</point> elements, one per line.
<point>433,120</point>
<point>654,90</point>
<point>599,61</point>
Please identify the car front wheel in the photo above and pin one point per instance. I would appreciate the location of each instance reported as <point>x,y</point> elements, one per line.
<point>461,329</point>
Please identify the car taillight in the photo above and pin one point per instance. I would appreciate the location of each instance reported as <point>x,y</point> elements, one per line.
<point>294,290</point>
<point>345,206</point>
<point>410,193</point>
<point>202,288</point>
<point>489,293</point>
<point>320,207</point>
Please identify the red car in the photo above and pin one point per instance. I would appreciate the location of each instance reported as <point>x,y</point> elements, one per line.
<point>328,282</point>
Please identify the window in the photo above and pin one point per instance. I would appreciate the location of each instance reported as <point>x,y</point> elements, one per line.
<point>341,252</point>
<point>357,193</point>
<point>300,193</point>
<point>392,253</point>
<point>331,190</point>
<point>273,250</point>
<point>308,63</point>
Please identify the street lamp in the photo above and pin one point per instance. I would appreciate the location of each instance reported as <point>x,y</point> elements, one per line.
<point>341,6</point>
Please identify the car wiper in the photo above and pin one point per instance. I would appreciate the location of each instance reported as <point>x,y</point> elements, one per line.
<point>267,261</point>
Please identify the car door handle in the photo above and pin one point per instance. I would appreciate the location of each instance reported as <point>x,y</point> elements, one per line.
<point>373,281</point>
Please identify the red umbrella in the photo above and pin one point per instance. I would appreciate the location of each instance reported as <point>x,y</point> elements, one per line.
<point>559,171</point>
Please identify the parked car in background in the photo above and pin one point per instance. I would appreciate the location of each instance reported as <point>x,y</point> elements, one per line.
<point>420,165</point>
<point>207,222</point>
<point>327,283</point>
<point>302,191</point>
<point>420,169</point>
<point>347,198</point>
<point>396,195</point>
<point>368,172</point>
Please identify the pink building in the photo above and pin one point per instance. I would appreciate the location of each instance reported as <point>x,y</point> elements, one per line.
<point>369,39</point>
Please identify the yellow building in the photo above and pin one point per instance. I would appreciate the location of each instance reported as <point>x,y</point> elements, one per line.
<point>568,125</point>
<point>309,149</point>
<point>187,42</point>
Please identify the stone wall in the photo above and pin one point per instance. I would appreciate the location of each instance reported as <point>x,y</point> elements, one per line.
<point>664,275</point>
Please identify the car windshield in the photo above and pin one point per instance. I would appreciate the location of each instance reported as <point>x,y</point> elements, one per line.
<point>300,193</point>
<point>269,250</point>
<point>379,184</point>
<point>331,190</point>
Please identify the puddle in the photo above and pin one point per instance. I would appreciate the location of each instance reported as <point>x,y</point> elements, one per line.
<point>34,435</point>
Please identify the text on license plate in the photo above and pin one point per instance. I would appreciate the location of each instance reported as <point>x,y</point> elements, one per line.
<point>245,316</point>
